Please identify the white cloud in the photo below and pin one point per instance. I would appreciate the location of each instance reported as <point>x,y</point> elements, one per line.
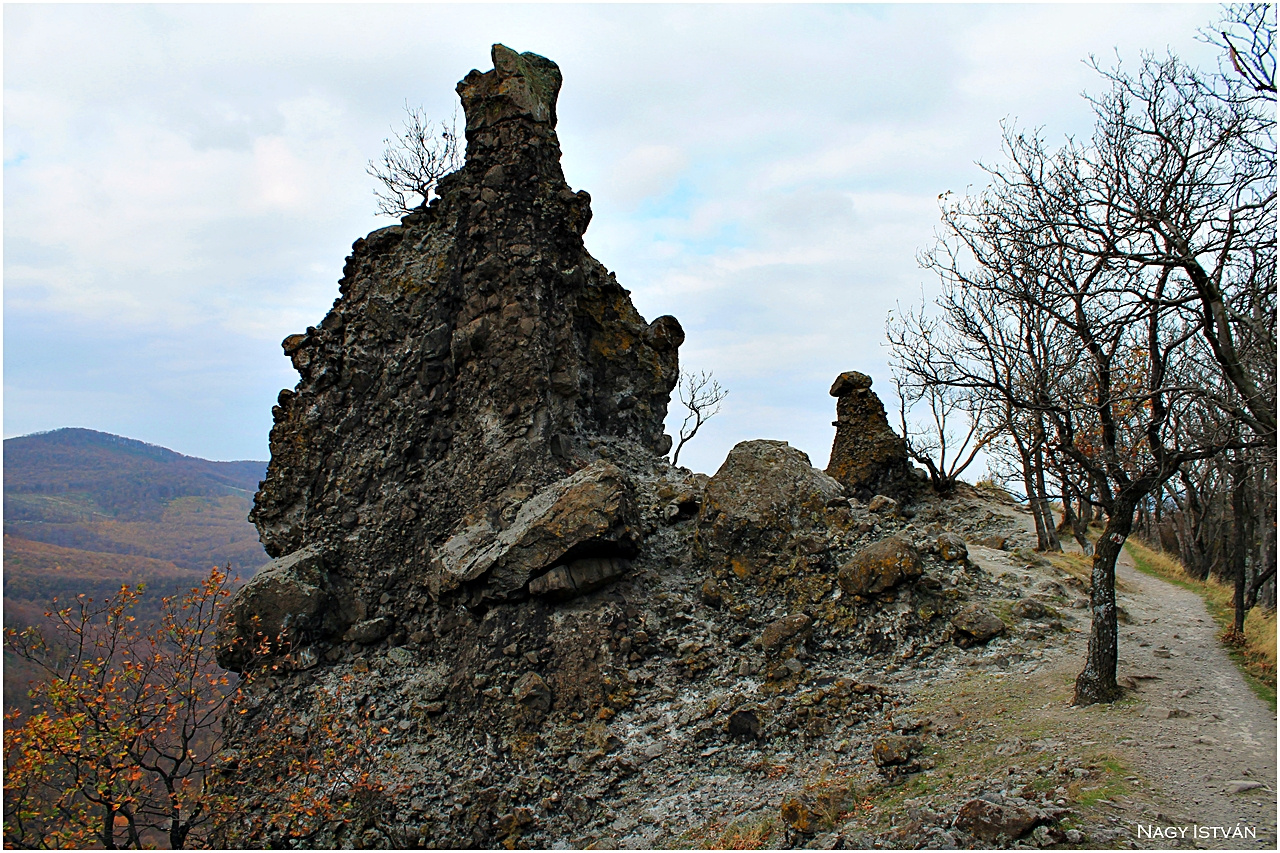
<point>645,172</point>
<point>188,178</point>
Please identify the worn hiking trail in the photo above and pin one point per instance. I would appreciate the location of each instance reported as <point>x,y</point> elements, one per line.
<point>1199,730</point>
<point>1192,738</point>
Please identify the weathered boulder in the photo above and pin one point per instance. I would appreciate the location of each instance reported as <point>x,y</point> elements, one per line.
<point>285,599</point>
<point>1029,608</point>
<point>894,750</point>
<point>951,547</point>
<point>532,692</point>
<point>477,355</point>
<point>880,566</point>
<point>882,505</point>
<point>977,624</point>
<point>763,498</point>
<point>988,820</point>
<point>587,514</point>
<point>995,541</point>
<point>868,457</point>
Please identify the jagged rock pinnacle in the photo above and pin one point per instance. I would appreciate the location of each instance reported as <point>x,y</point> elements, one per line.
<point>521,85</point>
<point>477,357</point>
<point>867,456</point>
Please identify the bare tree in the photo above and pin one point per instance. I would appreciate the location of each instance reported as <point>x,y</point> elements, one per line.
<point>1090,349</point>
<point>701,396</point>
<point>1247,33</point>
<point>951,434</point>
<point>414,162</point>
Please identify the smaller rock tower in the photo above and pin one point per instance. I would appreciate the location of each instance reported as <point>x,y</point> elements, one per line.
<point>867,457</point>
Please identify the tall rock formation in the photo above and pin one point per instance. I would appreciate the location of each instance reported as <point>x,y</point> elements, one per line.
<point>868,457</point>
<point>477,355</point>
<point>507,621</point>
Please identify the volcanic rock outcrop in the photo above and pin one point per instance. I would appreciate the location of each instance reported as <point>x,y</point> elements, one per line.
<point>506,616</point>
<point>868,457</point>
<point>477,358</point>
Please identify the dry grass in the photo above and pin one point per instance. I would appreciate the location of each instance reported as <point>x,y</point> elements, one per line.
<point>1080,567</point>
<point>1256,653</point>
<point>755,833</point>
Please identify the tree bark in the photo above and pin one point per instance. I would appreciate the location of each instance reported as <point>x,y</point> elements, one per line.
<point>1097,681</point>
<point>1029,482</point>
<point>1240,481</point>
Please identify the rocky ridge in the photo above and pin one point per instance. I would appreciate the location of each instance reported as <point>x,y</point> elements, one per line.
<point>481,554</point>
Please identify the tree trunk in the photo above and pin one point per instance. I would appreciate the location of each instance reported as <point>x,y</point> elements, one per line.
<point>1240,482</point>
<point>1078,527</point>
<point>1029,482</point>
<point>1052,542</point>
<point>1097,682</point>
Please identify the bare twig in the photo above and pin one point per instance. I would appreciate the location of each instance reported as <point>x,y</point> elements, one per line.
<point>701,395</point>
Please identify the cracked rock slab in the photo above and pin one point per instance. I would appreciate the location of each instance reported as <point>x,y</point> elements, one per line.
<point>587,514</point>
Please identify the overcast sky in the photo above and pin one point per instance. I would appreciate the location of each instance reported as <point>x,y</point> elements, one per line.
<point>182,182</point>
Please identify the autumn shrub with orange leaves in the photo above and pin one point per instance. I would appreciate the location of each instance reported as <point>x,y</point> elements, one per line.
<point>315,778</point>
<point>125,720</point>
<point>124,747</point>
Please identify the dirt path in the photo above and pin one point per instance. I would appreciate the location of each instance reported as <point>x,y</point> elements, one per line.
<point>1199,729</point>
<point>1193,737</point>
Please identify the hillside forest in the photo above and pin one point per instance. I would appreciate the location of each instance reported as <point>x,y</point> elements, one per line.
<point>86,512</point>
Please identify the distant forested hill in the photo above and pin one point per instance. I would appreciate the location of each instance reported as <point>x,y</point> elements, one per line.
<point>85,512</point>
<point>91,491</point>
<point>107,474</point>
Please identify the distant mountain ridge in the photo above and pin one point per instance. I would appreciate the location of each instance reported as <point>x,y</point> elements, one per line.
<point>122,477</point>
<point>86,512</point>
<point>93,491</point>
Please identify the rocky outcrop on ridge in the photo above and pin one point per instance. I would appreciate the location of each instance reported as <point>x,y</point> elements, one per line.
<point>867,456</point>
<point>476,359</point>
<point>496,598</point>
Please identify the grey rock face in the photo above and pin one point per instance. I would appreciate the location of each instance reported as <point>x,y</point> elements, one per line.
<point>476,356</point>
<point>281,603</point>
